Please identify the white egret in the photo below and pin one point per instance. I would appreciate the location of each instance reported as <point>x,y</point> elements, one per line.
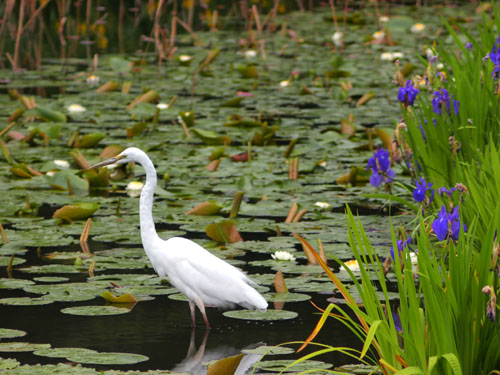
<point>202,277</point>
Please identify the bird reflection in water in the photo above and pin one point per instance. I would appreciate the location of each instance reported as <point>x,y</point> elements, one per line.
<point>196,361</point>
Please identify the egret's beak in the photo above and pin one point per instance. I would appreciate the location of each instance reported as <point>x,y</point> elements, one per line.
<point>107,162</point>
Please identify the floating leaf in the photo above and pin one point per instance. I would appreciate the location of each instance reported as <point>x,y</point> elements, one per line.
<point>385,137</point>
<point>110,151</point>
<point>50,279</point>
<point>136,129</point>
<point>108,86</point>
<point>224,231</point>
<point>261,315</point>
<point>76,211</point>
<point>8,364</point>
<point>234,102</point>
<point>120,65</point>
<point>104,358</point>
<point>62,352</point>
<point>21,346</point>
<point>124,298</point>
<point>187,117</point>
<point>6,333</point>
<point>281,365</point>
<point>269,350</point>
<point>50,115</point>
<point>225,366</point>
<point>365,98</point>
<point>248,71</point>
<point>205,208</point>
<point>95,310</point>
<point>90,140</point>
<point>25,301</point>
<point>286,297</point>
<point>355,176</point>
<point>211,138</point>
<point>147,97</point>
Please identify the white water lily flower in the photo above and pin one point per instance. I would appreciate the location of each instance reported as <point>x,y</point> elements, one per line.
<point>283,255</point>
<point>386,56</point>
<point>184,58</point>
<point>285,83</point>
<point>414,259</point>
<point>50,173</point>
<point>162,106</point>
<point>417,28</point>
<point>397,55</point>
<point>337,38</point>
<point>383,19</point>
<point>61,164</point>
<point>378,35</point>
<point>322,164</point>
<point>250,54</point>
<point>322,205</point>
<point>92,80</point>
<point>353,265</point>
<point>134,188</point>
<point>76,108</point>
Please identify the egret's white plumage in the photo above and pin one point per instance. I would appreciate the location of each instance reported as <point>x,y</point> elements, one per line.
<point>202,277</point>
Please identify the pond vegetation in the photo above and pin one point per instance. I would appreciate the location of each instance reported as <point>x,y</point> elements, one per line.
<point>263,127</point>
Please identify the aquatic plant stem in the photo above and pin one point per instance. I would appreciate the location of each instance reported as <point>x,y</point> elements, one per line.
<point>18,35</point>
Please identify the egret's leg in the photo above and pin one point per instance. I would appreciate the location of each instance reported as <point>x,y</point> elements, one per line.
<point>201,306</point>
<point>193,313</point>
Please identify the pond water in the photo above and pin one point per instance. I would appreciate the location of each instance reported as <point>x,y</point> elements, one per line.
<point>305,111</point>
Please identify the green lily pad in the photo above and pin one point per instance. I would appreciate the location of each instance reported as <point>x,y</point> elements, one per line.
<point>62,352</point>
<point>25,301</point>
<point>14,283</point>
<point>8,363</point>
<point>281,365</point>
<point>94,310</point>
<point>6,333</point>
<point>4,261</point>
<point>261,315</point>
<point>103,358</point>
<point>286,297</point>
<point>269,350</point>
<point>50,279</point>
<point>21,346</point>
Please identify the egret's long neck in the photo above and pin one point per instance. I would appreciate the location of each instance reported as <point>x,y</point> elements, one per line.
<point>148,231</point>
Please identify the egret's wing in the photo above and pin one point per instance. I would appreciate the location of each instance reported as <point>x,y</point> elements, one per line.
<point>195,270</point>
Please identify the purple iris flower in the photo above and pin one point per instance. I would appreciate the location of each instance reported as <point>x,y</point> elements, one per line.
<point>442,97</point>
<point>408,93</point>
<point>380,165</point>
<point>495,59</point>
<point>443,190</point>
<point>397,322</point>
<point>422,188</point>
<point>447,224</point>
<point>468,46</point>
<point>401,245</point>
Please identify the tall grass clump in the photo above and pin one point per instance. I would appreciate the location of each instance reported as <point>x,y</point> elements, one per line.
<point>445,321</point>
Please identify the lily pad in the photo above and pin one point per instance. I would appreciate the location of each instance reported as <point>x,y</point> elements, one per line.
<point>21,346</point>
<point>62,352</point>
<point>281,365</point>
<point>103,358</point>
<point>6,333</point>
<point>261,315</point>
<point>25,301</point>
<point>50,279</point>
<point>269,350</point>
<point>94,310</point>
<point>286,297</point>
